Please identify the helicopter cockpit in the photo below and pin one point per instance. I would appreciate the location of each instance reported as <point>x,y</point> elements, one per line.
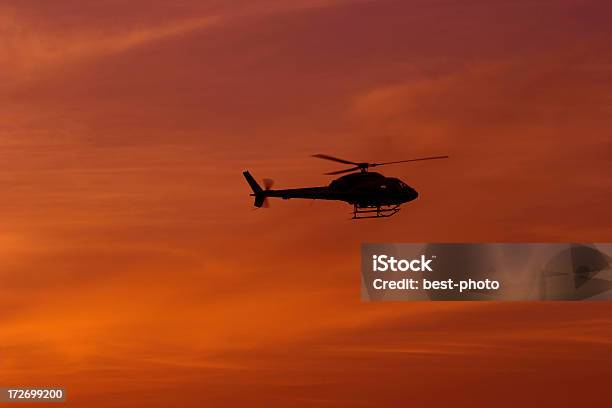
<point>397,184</point>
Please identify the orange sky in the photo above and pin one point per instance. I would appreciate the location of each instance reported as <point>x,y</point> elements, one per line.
<point>134,271</point>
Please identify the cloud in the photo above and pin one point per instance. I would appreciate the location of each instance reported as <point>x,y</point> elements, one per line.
<point>28,50</point>
<point>30,45</point>
<point>513,127</point>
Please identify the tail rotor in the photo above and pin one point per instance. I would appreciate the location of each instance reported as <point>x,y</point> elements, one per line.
<point>268,183</point>
<point>260,195</point>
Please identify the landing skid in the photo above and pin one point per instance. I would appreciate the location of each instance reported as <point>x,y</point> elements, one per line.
<point>381,211</point>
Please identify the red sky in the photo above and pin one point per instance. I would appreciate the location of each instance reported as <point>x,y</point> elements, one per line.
<point>134,271</point>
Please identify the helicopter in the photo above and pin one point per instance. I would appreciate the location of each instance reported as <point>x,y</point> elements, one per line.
<point>371,194</point>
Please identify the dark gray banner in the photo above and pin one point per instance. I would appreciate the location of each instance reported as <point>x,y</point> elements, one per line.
<point>445,271</point>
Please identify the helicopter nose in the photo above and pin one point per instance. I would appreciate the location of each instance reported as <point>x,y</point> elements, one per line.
<point>411,194</point>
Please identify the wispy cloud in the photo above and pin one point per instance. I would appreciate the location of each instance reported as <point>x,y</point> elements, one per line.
<point>28,50</point>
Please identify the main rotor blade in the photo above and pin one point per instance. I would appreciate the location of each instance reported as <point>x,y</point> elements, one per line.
<point>342,171</point>
<point>411,160</point>
<point>332,158</point>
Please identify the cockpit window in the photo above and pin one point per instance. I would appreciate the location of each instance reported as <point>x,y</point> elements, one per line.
<point>398,183</point>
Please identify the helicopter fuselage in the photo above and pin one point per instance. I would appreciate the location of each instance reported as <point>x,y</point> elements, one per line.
<point>364,190</point>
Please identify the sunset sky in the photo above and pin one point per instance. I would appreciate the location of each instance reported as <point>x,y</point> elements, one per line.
<point>135,272</point>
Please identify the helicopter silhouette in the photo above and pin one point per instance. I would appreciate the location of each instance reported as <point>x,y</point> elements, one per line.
<point>371,194</point>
